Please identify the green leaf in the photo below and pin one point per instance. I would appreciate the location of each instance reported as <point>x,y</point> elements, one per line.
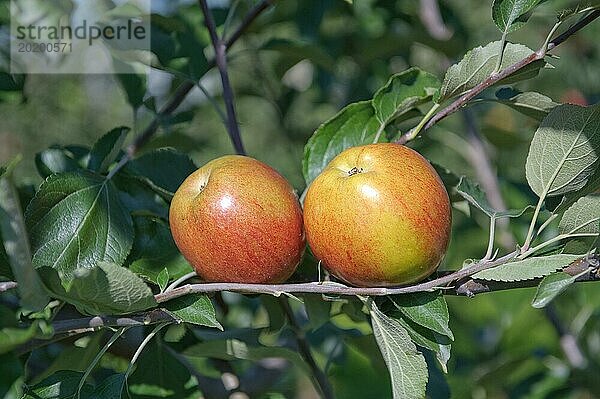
<point>476,197</point>
<point>297,51</point>
<point>407,367</point>
<point>12,337</point>
<point>105,151</point>
<point>175,333</point>
<point>11,369</point>
<point>76,220</point>
<point>61,385</point>
<point>134,86</point>
<point>510,15</point>
<point>427,309</point>
<point>159,373</point>
<point>402,92</point>
<point>272,306</point>
<point>195,309</point>
<point>164,168</point>
<point>582,216</point>
<point>16,245</point>
<point>529,103</point>
<point>154,250</point>
<point>104,289</point>
<point>527,269</point>
<point>232,349</point>
<point>175,42</point>
<point>479,63</point>
<point>354,125</point>
<point>592,185</point>
<point>110,388</point>
<point>437,343</point>
<point>564,151</point>
<point>138,198</point>
<point>163,279</point>
<point>5,271</point>
<point>61,160</point>
<point>364,122</point>
<point>550,287</point>
<point>75,357</point>
<point>317,309</point>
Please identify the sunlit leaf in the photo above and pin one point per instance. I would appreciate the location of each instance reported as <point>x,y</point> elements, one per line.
<point>75,221</point>
<point>104,289</point>
<point>510,15</point>
<point>354,125</point>
<point>195,308</point>
<point>527,269</point>
<point>479,63</point>
<point>530,103</point>
<point>564,151</point>
<point>582,217</point>
<point>550,287</point>
<point>427,309</point>
<point>402,92</point>
<point>407,367</point>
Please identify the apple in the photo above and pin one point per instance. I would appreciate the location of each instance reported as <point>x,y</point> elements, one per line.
<point>237,220</point>
<point>378,215</point>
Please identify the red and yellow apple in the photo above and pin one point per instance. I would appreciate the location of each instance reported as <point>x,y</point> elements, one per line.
<point>237,220</point>
<point>378,215</point>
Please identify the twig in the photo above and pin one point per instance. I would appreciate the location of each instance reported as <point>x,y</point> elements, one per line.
<point>97,358</point>
<point>464,285</point>
<point>180,280</point>
<point>320,379</point>
<point>252,14</point>
<point>89,324</point>
<point>496,77</point>
<point>184,89</point>
<point>140,349</point>
<point>221,60</point>
<point>331,287</point>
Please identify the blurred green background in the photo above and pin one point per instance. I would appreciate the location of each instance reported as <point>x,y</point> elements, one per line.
<point>297,66</point>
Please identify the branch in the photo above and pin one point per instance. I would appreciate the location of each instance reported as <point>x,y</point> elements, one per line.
<point>496,77</point>
<point>333,288</point>
<point>320,379</point>
<point>464,286</point>
<point>471,287</point>
<point>221,60</point>
<point>89,324</point>
<point>184,89</point>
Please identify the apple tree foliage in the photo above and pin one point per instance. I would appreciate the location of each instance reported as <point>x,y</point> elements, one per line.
<point>93,259</point>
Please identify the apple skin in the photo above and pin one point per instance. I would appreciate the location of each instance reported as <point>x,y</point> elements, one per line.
<point>237,220</point>
<point>378,215</point>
